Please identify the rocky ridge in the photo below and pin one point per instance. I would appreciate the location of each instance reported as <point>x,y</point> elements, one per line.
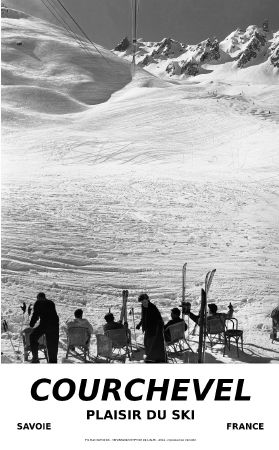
<point>255,45</point>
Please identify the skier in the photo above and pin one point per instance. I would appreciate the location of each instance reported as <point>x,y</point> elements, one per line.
<point>153,327</point>
<point>44,310</point>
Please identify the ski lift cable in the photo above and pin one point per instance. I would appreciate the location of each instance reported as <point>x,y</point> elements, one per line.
<point>134,10</point>
<point>65,25</point>
<point>82,31</point>
<point>72,33</point>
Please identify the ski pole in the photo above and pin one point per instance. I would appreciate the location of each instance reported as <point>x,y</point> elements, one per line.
<point>202,327</point>
<point>23,307</point>
<point>6,329</point>
<point>134,326</point>
<point>184,268</point>
<point>188,332</point>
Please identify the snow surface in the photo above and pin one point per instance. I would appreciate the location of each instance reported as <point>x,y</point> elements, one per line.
<point>111,183</point>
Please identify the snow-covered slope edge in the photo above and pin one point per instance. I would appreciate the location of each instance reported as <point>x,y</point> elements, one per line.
<point>41,57</point>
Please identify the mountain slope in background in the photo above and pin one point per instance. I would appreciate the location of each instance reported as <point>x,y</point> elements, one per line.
<point>44,58</point>
<point>170,58</point>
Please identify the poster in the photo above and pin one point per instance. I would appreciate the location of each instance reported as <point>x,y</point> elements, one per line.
<point>140,156</point>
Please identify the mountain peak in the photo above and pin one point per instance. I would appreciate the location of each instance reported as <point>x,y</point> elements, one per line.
<point>169,57</point>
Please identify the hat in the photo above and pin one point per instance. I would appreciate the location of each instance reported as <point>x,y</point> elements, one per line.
<point>109,317</point>
<point>176,311</point>
<point>143,297</point>
<point>212,308</point>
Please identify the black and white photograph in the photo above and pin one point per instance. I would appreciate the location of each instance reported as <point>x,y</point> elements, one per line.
<point>140,206</point>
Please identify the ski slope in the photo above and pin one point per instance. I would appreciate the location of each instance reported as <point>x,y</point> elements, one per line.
<point>112,183</point>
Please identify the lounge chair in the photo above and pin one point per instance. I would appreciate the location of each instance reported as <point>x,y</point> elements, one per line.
<point>78,342</point>
<point>104,347</point>
<point>25,334</point>
<point>220,330</point>
<point>216,331</point>
<point>114,345</point>
<point>177,343</point>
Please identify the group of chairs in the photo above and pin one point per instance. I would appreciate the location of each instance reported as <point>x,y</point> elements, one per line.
<point>26,345</point>
<point>111,346</point>
<point>115,345</point>
<point>224,331</point>
<point>218,331</point>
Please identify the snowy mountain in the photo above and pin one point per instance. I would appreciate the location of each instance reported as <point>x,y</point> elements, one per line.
<point>171,58</point>
<point>274,50</point>
<point>253,46</point>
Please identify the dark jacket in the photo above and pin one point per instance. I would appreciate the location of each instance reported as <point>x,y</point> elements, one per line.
<point>46,312</point>
<point>174,321</point>
<point>151,319</point>
<point>113,326</point>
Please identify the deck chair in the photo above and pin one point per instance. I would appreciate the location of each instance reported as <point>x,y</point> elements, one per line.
<point>104,347</point>
<point>120,339</point>
<point>233,333</point>
<point>42,354</point>
<point>177,343</point>
<point>114,345</point>
<point>78,342</point>
<point>216,331</point>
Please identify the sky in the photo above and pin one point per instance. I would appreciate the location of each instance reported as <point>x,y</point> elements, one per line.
<point>189,21</point>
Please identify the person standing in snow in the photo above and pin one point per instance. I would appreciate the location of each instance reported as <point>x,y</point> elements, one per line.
<point>45,311</point>
<point>153,327</point>
<point>275,322</point>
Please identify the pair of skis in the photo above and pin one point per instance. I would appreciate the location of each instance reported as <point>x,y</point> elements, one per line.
<point>203,309</point>
<point>207,284</point>
<point>184,270</point>
<point>124,316</point>
<point>203,315</point>
<point>123,313</point>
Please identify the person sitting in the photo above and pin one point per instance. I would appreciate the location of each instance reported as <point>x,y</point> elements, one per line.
<point>175,318</point>
<point>79,322</point>
<point>110,323</point>
<point>212,313</point>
